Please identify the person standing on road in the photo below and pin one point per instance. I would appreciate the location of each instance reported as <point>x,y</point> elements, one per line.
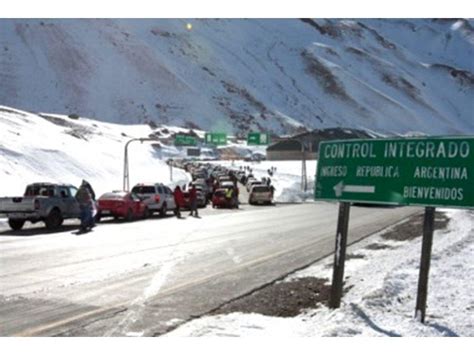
<point>84,197</point>
<point>235,196</point>
<point>178,200</point>
<point>193,201</point>
<point>89,187</point>
<point>94,202</point>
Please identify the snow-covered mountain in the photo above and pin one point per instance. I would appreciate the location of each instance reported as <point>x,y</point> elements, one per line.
<point>240,75</point>
<point>54,148</point>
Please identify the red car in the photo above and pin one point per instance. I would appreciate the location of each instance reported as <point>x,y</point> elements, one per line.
<point>121,204</point>
<point>220,200</point>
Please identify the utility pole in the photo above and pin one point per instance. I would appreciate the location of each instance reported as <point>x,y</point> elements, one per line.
<point>304,179</point>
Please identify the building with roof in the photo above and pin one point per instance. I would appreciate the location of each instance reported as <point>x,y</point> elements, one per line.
<point>292,148</point>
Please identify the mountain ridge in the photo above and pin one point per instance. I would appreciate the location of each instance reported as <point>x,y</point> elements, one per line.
<point>281,76</point>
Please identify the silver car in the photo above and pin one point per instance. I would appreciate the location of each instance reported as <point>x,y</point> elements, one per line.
<point>157,197</point>
<point>260,194</point>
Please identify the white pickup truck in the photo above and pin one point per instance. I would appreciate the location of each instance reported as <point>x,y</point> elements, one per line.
<point>42,202</point>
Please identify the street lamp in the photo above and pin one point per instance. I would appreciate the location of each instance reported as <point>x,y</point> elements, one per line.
<point>306,146</point>
<point>126,180</point>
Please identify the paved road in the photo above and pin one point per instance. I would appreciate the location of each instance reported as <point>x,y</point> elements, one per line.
<point>145,277</point>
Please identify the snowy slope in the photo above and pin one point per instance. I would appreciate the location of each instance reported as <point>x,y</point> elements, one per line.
<point>54,148</point>
<point>239,75</point>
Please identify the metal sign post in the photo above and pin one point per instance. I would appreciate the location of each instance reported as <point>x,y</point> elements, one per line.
<point>428,229</point>
<point>339,255</point>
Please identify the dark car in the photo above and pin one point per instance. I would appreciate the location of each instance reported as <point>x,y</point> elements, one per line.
<point>121,204</point>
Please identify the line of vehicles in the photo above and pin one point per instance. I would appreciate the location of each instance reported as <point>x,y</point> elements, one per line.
<point>53,203</point>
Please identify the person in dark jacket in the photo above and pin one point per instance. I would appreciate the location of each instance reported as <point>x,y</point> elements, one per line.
<point>84,197</point>
<point>235,196</point>
<point>94,202</point>
<point>193,201</point>
<point>272,190</point>
<point>89,187</point>
<point>178,200</point>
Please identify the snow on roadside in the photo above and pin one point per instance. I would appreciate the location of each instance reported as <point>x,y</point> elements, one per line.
<point>382,296</point>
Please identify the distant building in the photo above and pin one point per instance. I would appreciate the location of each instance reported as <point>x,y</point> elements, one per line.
<point>291,148</point>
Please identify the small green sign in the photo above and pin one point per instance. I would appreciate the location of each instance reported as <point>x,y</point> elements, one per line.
<point>434,171</point>
<point>257,138</point>
<point>180,139</point>
<point>216,138</point>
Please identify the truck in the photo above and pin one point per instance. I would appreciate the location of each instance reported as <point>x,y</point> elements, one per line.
<point>42,202</point>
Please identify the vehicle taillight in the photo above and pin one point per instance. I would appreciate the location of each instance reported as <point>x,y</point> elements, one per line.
<point>157,198</point>
<point>37,205</point>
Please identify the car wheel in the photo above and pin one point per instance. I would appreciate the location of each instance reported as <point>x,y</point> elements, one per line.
<point>129,216</point>
<point>97,218</point>
<point>54,219</point>
<point>163,210</point>
<point>16,224</point>
<point>146,213</point>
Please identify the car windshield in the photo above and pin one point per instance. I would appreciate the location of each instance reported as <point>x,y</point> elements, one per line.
<point>39,190</point>
<point>143,189</point>
<point>261,189</point>
<point>113,196</point>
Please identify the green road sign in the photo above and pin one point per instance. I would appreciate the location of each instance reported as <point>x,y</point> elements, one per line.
<point>256,138</point>
<point>216,138</point>
<point>417,171</point>
<point>180,139</point>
